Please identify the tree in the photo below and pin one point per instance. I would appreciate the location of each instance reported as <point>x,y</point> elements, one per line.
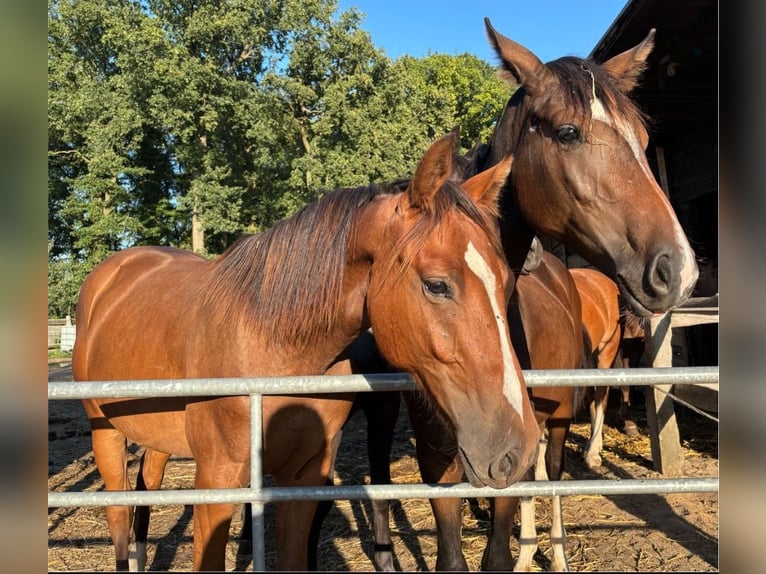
<point>456,90</point>
<point>154,113</point>
<point>361,117</point>
<point>93,130</point>
<point>189,123</point>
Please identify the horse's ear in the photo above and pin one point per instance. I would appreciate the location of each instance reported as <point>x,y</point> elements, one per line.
<point>434,170</point>
<point>534,257</point>
<point>519,63</point>
<point>626,68</point>
<point>485,187</point>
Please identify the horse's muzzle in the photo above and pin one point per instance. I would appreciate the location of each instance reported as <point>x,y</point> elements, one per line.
<point>501,471</point>
<point>660,287</point>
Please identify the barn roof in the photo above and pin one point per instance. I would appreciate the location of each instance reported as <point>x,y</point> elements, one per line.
<point>680,86</point>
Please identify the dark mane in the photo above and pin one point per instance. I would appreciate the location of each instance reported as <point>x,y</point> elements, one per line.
<point>579,79</point>
<point>290,277</point>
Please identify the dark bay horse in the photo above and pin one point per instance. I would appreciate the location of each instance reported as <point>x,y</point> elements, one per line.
<point>581,176</point>
<point>420,263</point>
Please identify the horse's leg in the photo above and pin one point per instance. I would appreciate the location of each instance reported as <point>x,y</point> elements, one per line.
<point>438,462</point>
<point>597,407</point>
<point>150,476</point>
<point>497,554</point>
<point>528,531</point>
<point>607,357</point>
<point>558,537</point>
<point>629,426</point>
<point>212,521</point>
<point>381,411</point>
<point>322,511</point>
<point>630,356</point>
<point>449,522</point>
<point>297,532</point>
<point>557,433</point>
<point>215,469</point>
<point>246,532</point>
<point>110,452</point>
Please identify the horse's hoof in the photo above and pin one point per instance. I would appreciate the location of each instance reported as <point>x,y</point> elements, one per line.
<point>593,462</point>
<point>502,563</point>
<point>631,429</point>
<point>384,562</point>
<point>137,557</point>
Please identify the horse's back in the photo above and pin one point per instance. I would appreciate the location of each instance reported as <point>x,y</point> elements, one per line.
<point>123,301</point>
<point>550,310</point>
<point>123,272</point>
<point>595,286</point>
<point>600,311</point>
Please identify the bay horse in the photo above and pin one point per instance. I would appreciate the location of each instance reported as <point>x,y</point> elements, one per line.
<point>580,176</point>
<point>545,307</point>
<point>420,263</point>
<point>608,332</point>
<point>604,300</point>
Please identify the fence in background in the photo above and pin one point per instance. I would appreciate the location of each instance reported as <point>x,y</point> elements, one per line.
<point>61,334</point>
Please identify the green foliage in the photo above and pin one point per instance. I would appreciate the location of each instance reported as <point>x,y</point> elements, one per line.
<point>64,279</point>
<point>59,354</point>
<point>224,116</point>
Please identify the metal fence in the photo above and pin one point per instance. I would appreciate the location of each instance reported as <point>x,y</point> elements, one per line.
<point>259,495</point>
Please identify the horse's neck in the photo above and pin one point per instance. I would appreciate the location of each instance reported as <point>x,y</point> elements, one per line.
<point>516,233</point>
<point>293,332</point>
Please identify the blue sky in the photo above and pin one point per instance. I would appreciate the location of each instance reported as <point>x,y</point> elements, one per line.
<point>549,28</point>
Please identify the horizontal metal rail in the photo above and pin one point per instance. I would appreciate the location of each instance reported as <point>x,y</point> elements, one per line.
<point>258,495</point>
<point>321,384</point>
<point>383,492</point>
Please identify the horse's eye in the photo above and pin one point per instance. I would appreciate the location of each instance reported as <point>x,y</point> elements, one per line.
<point>437,288</point>
<point>567,134</point>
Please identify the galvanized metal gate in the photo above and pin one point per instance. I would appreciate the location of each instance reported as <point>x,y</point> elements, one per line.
<point>259,495</point>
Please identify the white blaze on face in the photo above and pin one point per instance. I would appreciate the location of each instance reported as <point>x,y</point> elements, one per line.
<point>511,382</point>
<point>598,113</point>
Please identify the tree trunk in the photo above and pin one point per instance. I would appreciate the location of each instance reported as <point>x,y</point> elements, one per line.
<point>307,147</point>
<point>198,234</point>
<point>198,228</point>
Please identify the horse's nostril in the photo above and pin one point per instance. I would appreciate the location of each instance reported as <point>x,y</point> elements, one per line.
<point>502,468</point>
<point>663,269</point>
<point>659,276</point>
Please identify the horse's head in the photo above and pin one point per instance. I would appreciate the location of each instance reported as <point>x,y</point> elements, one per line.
<point>581,174</point>
<point>436,301</point>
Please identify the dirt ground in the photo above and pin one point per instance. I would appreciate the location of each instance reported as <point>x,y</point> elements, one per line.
<point>651,533</point>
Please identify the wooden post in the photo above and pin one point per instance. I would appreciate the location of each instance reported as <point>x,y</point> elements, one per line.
<point>664,438</point>
<point>667,456</point>
<point>700,311</point>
